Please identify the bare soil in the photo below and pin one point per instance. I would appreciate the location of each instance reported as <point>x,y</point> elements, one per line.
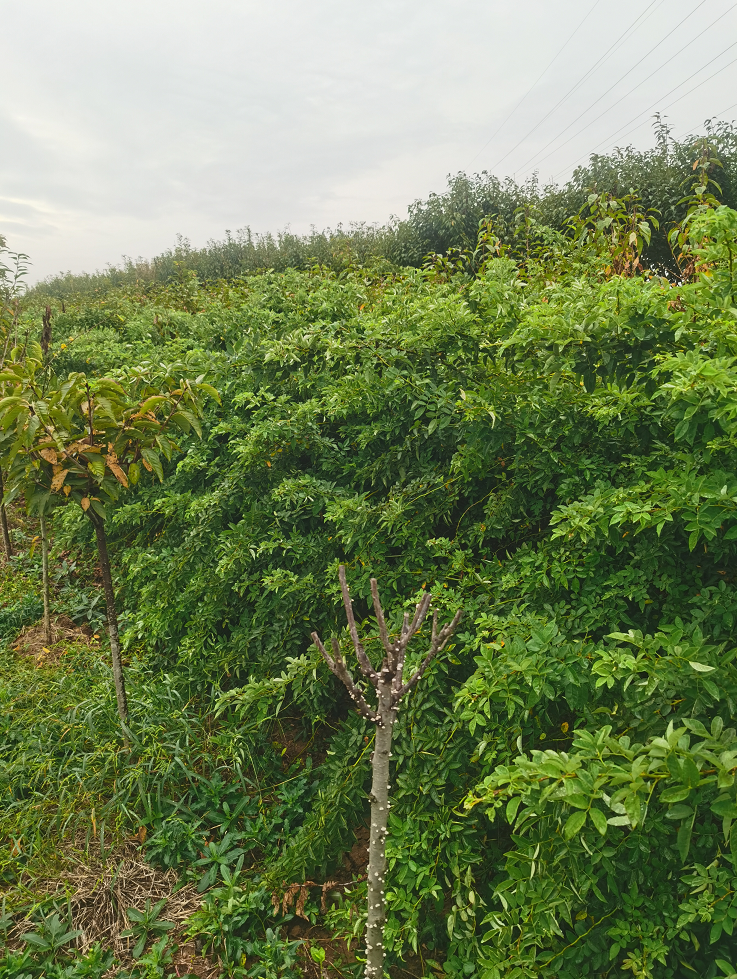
<point>32,641</point>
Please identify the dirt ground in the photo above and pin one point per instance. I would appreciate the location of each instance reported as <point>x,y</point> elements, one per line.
<point>32,641</point>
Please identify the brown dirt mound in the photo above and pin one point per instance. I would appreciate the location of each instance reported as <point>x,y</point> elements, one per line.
<point>98,893</point>
<point>32,641</point>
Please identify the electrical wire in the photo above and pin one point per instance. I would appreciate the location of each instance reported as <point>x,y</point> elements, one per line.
<point>716,115</point>
<point>620,40</point>
<point>537,80</point>
<point>663,108</point>
<point>621,79</point>
<point>728,109</point>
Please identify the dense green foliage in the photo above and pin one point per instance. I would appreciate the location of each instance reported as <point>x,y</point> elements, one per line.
<point>544,443</point>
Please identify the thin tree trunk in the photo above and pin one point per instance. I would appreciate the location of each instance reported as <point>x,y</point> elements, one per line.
<point>379,832</point>
<point>46,585</point>
<point>4,521</point>
<point>112,616</point>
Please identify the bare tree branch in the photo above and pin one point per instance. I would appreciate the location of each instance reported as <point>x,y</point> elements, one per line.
<point>420,613</point>
<point>363,660</point>
<point>379,613</point>
<point>405,625</point>
<point>439,640</point>
<point>338,667</point>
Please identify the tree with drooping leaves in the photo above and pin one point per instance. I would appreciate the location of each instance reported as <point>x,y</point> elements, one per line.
<point>85,440</point>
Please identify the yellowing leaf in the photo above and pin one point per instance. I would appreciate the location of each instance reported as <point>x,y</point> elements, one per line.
<point>112,464</point>
<point>49,455</point>
<point>67,490</point>
<point>58,481</point>
<point>85,503</point>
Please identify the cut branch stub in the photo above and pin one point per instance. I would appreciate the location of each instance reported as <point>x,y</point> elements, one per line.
<point>366,668</point>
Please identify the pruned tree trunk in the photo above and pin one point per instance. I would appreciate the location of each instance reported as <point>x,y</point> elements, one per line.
<point>379,830</point>
<point>112,616</point>
<point>390,689</point>
<point>45,579</point>
<point>46,332</point>
<point>4,522</point>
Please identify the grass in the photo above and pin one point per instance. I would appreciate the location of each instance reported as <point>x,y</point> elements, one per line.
<point>74,801</point>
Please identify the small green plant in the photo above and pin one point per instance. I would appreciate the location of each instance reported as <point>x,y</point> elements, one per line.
<point>146,923</point>
<point>174,842</point>
<point>218,858</point>
<point>317,954</point>
<point>52,935</point>
<point>153,965</point>
<point>275,957</point>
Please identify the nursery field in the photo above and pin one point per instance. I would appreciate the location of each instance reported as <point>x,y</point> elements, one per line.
<point>544,437</point>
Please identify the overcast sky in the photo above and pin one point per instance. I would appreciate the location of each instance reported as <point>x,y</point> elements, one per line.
<point>123,124</point>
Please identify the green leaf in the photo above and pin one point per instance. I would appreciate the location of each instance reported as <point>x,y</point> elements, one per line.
<point>153,402</point>
<point>140,945</point>
<point>153,458</point>
<point>209,389</point>
<point>633,807</point>
<point>690,772</point>
<point>712,689</point>
<point>512,807</point>
<point>574,824</point>
<point>96,465</point>
<point>701,667</point>
<point>683,840</point>
<point>599,820</point>
<point>725,808</point>
<point>679,812</point>
<point>677,794</point>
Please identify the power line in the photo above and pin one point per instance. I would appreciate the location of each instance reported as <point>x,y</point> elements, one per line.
<point>607,53</point>
<point>662,109</point>
<point>728,109</point>
<point>687,131</point>
<point>620,79</point>
<point>539,77</point>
